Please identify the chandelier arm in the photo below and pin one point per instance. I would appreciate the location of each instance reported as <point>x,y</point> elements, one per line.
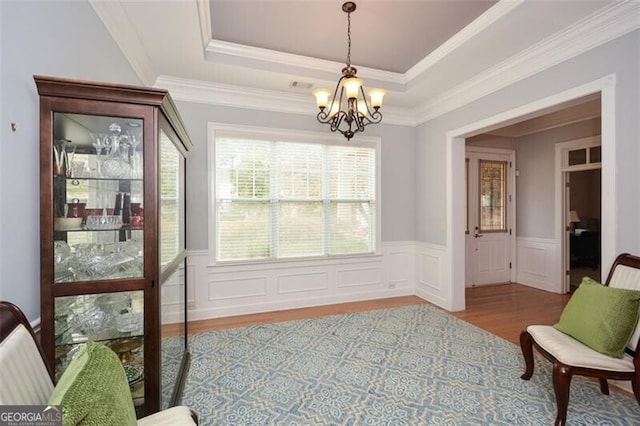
<point>373,119</point>
<point>360,124</point>
<point>323,117</point>
<point>370,109</point>
<point>335,95</point>
<point>337,121</point>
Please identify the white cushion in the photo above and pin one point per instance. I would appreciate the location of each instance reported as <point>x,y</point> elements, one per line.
<point>24,377</point>
<point>174,416</point>
<point>571,352</point>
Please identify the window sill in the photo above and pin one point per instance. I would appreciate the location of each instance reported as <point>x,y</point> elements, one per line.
<point>295,263</point>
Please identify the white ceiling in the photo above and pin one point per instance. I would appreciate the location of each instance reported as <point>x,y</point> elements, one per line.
<point>430,55</point>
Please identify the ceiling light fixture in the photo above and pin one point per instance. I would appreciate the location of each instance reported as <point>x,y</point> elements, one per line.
<point>349,112</point>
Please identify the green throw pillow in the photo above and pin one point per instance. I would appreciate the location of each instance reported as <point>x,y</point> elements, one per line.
<point>603,318</point>
<point>94,389</point>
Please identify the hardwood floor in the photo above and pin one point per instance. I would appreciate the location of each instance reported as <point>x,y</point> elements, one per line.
<point>506,309</point>
<point>503,310</point>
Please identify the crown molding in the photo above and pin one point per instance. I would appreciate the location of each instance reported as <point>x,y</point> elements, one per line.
<point>493,14</point>
<point>217,48</point>
<point>117,23</point>
<point>204,18</point>
<point>610,22</point>
<point>259,99</point>
<point>607,24</point>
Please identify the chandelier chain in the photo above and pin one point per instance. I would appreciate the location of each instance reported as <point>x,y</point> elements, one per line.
<point>349,39</point>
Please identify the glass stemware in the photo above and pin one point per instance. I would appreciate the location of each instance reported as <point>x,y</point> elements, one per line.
<point>136,156</point>
<point>98,142</point>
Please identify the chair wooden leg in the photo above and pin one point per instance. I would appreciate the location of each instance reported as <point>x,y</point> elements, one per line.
<point>604,386</point>
<point>636,388</point>
<point>561,382</point>
<point>526,346</point>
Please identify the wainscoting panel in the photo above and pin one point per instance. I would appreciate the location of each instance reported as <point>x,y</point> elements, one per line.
<point>302,282</point>
<point>537,263</point>
<point>359,277</point>
<point>226,290</point>
<point>233,288</point>
<point>173,298</point>
<point>401,266</point>
<point>431,284</point>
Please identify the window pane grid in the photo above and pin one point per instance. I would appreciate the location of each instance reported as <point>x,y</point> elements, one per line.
<point>281,200</point>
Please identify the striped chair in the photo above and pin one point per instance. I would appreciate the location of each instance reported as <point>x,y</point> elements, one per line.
<point>570,357</point>
<point>25,374</point>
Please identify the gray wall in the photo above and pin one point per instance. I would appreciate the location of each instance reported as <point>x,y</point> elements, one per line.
<point>535,187</point>
<point>50,38</point>
<point>620,56</point>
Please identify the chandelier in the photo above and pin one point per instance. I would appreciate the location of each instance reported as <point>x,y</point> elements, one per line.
<point>349,112</point>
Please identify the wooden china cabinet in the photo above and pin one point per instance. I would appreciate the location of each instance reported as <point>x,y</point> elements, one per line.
<point>112,229</point>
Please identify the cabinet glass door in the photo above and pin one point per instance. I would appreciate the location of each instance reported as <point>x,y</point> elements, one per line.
<point>98,195</point>
<point>98,235</point>
<point>172,268</point>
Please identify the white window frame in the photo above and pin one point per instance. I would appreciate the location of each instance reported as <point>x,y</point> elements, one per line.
<point>286,135</point>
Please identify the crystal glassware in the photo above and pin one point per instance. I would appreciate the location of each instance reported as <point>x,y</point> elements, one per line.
<point>97,140</point>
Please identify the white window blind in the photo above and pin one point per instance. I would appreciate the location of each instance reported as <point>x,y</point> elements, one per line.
<point>283,200</point>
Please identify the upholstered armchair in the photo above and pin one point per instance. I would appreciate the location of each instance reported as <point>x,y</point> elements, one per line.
<point>597,335</point>
<point>26,380</point>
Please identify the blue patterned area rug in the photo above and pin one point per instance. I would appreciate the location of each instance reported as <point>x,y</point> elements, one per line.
<point>413,365</point>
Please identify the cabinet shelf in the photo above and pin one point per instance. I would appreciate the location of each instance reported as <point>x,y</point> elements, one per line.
<point>85,229</point>
<point>97,179</point>
<point>77,338</point>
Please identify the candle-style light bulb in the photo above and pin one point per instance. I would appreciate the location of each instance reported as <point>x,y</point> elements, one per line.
<point>322,97</point>
<point>376,96</point>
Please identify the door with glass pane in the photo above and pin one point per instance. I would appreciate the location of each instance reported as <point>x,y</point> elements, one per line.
<point>489,216</point>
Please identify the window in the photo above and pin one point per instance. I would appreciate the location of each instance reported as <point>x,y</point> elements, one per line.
<point>293,197</point>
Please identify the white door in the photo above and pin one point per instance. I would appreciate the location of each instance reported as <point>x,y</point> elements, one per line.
<point>489,216</point>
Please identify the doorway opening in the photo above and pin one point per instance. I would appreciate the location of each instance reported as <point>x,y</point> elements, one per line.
<point>456,271</point>
<point>581,163</point>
